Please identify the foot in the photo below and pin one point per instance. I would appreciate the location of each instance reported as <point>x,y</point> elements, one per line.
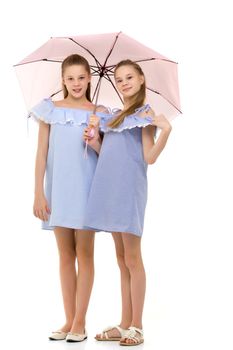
<point>111,334</point>
<point>61,333</point>
<point>134,336</point>
<point>58,335</point>
<point>76,337</point>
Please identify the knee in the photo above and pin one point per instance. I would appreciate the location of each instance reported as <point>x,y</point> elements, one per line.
<point>121,261</point>
<point>67,257</point>
<point>85,257</point>
<point>132,261</point>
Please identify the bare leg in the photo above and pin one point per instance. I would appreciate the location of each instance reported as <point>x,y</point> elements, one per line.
<point>126,318</point>
<point>85,278</point>
<point>65,238</point>
<point>133,260</point>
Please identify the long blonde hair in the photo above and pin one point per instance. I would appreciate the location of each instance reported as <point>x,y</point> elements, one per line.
<point>72,60</point>
<point>137,100</point>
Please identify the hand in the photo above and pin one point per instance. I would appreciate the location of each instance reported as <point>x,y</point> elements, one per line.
<point>161,122</point>
<point>94,121</point>
<point>91,133</point>
<point>40,208</point>
<point>93,139</point>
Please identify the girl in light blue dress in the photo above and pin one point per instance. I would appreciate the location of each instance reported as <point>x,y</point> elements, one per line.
<point>118,194</point>
<point>61,203</point>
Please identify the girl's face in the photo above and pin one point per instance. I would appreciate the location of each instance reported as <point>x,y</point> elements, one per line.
<point>128,81</point>
<point>76,80</point>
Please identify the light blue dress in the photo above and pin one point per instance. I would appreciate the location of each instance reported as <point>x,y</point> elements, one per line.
<point>118,194</point>
<point>68,173</point>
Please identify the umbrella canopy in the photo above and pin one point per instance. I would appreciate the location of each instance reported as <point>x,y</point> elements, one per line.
<point>39,73</point>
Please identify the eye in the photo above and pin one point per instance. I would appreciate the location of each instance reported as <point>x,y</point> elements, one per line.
<point>118,81</point>
<point>70,78</point>
<point>81,78</point>
<point>129,78</point>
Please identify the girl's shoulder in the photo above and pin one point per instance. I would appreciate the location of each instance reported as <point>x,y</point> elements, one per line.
<point>142,117</point>
<point>103,109</point>
<point>145,111</point>
<point>56,112</point>
<point>42,111</point>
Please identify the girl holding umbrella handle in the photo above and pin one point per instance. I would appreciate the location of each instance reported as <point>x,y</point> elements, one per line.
<point>61,206</point>
<point>128,146</point>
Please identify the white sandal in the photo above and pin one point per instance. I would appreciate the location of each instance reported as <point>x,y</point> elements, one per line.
<point>104,335</point>
<point>134,334</point>
<point>76,337</point>
<point>58,335</point>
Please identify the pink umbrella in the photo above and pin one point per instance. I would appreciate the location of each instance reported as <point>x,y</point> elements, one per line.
<point>39,73</point>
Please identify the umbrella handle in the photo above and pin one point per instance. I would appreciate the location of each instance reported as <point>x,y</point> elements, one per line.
<point>91,134</point>
<point>92,130</point>
<point>85,150</point>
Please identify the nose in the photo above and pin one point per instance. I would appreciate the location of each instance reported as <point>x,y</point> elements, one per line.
<point>76,82</point>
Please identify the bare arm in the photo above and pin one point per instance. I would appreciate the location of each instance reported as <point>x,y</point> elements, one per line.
<point>152,148</point>
<point>40,207</point>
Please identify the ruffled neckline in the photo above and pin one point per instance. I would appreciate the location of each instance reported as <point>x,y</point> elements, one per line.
<point>131,121</point>
<point>48,112</point>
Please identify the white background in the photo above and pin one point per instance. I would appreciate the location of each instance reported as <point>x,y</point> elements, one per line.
<point>187,242</point>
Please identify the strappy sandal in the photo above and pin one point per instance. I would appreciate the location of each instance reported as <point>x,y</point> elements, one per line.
<point>104,335</point>
<point>134,334</point>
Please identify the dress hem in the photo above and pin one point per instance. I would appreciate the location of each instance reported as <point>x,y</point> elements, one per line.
<point>109,230</point>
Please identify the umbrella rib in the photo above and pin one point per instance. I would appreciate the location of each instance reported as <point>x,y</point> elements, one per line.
<point>143,60</point>
<point>106,76</point>
<point>107,70</point>
<point>155,58</point>
<point>55,93</point>
<point>113,45</point>
<point>94,69</point>
<point>40,60</point>
<point>158,93</point>
<point>97,62</point>
<point>98,87</point>
<point>109,79</point>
